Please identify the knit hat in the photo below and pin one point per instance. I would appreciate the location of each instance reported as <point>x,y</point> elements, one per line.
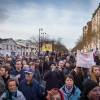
<point>51,64</point>
<point>88,85</point>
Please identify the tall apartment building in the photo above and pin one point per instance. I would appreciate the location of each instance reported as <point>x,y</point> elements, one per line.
<point>87,36</point>
<point>96,28</point>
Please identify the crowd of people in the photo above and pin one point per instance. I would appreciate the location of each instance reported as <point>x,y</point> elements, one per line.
<point>50,77</point>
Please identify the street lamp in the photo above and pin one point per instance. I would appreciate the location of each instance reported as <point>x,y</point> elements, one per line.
<point>40,29</point>
<point>43,35</point>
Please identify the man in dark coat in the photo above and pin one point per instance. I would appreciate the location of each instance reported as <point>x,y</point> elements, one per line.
<point>51,77</point>
<point>46,64</point>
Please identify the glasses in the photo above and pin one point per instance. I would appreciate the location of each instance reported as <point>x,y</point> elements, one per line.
<point>27,73</point>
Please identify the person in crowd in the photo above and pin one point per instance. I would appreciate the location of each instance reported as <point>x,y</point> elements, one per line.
<point>36,75</point>
<point>64,69</point>
<point>4,76</point>
<point>46,64</point>
<point>91,90</point>
<point>55,94</point>
<point>71,92</point>
<point>68,59</point>
<point>61,78</point>
<point>9,65</point>
<point>96,59</point>
<point>25,67</point>
<point>11,62</point>
<point>24,62</point>
<point>39,67</point>
<point>18,72</point>
<point>12,92</point>
<point>78,77</point>
<point>51,77</point>
<point>95,73</point>
<point>64,60</point>
<point>30,88</point>
<point>20,58</point>
<point>68,67</point>
<point>73,65</point>
<point>86,72</point>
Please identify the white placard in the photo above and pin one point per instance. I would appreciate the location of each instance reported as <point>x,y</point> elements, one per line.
<point>85,60</point>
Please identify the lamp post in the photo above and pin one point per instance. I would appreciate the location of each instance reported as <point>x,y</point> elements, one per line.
<point>43,35</point>
<point>40,29</point>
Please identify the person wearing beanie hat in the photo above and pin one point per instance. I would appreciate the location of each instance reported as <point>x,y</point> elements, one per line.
<point>52,78</point>
<point>91,90</point>
<point>51,64</point>
<point>55,93</point>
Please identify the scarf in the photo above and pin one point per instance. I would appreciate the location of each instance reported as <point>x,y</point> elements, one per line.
<point>69,92</point>
<point>11,96</point>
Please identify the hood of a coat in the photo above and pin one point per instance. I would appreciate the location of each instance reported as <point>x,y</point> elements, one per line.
<point>62,96</point>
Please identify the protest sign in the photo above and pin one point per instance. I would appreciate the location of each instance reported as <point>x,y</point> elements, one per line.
<point>85,60</point>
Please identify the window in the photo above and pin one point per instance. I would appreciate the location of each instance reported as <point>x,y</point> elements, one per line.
<point>14,47</point>
<point>7,47</point>
<point>26,47</point>
<point>10,47</point>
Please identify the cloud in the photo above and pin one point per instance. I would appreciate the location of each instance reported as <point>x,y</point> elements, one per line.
<point>57,20</point>
<point>3,14</point>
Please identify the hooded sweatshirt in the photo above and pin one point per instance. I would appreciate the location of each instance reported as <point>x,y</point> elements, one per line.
<point>61,94</point>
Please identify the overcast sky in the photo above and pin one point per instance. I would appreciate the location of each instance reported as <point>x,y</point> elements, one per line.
<point>21,19</point>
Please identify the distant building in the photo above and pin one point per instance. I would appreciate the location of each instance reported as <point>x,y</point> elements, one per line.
<point>27,47</point>
<point>87,36</point>
<point>96,28</point>
<point>8,47</point>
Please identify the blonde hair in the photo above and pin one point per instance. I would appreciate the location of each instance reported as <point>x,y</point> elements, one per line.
<point>92,76</point>
<point>77,72</point>
<point>52,93</point>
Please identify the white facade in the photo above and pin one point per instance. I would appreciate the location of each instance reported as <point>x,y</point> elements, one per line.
<point>8,47</point>
<point>27,47</point>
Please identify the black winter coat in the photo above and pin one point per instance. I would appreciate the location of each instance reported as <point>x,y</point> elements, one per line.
<point>78,80</point>
<point>52,79</point>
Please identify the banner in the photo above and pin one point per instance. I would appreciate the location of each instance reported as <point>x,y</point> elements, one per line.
<point>85,60</point>
<point>46,47</point>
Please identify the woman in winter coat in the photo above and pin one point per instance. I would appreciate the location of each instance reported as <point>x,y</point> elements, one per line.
<point>12,93</point>
<point>95,73</point>
<point>71,92</point>
<point>91,90</point>
<point>55,94</point>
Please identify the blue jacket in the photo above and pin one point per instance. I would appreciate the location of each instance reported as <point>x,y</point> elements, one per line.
<point>21,72</point>
<point>75,93</point>
<point>32,91</point>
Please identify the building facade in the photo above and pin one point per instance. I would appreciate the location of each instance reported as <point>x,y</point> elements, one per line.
<point>8,47</point>
<point>96,28</point>
<point>87,39</point>
<point>27,47</point>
